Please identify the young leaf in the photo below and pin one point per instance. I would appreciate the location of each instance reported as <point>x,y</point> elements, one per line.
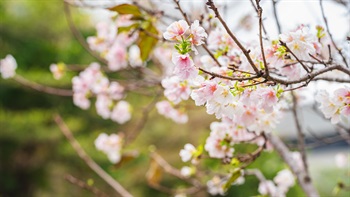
<point>128,28</point>
<point>145,42</point>
<point>235,175</point>
<point>127,9</point>
<point>154,173</point>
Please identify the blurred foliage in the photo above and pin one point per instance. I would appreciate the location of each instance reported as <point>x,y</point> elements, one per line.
<point>35,156</point>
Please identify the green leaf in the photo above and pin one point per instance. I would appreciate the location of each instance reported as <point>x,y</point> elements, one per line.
<point>127,9</point>
<point>145,42</point>
<point>235,175</point>
<point>128,28</point>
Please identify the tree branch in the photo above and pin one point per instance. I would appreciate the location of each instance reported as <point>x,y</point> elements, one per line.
<point>285,154</point>
<point>212,6</point>
<point>88,160</point>
<point>85,186</point>
<point>330,35</point>
<point>42,88</point>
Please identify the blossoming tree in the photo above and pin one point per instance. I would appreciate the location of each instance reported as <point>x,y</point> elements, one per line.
<point>246,84</point>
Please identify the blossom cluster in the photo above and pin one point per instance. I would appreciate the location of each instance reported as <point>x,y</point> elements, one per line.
<point>279,186</point>
<point>117,48</point>
<point>111,145</point>
<point>92,82</point>
<point>337,106</point>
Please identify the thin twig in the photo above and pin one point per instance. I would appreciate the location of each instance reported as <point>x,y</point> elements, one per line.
<point>212,6</point>
<point>291,52</point>
<point>88,160</point>
<point>274,6</point>
<point>142,122</point>
<point>42,88</point>
<point>173,171</point>
<point>259,11</point>
<point>211,55</point>
<point>177,2</point>
<point>310,76</point>
<point>78,35</point>
<point>330,35</point>
<point>85,186</point>
<point>226,77</point>
<point>301,136</point>
<point>256,8</point>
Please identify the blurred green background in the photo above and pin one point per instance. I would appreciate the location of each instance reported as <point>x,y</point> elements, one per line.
<point>35,156</point>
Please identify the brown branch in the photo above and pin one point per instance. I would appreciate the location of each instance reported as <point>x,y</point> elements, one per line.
<point>42,88</point>
<point>274,6</point>
<point>301,136</point>
<point>255,172</point>
<point>173,171</point>
<point>212,6</point>
<point>177,2</point>
<point>88,160</point>
<point>291,52</point>
<point>285,154</point>
<point>226,77</point>
<point>85,186</point>
<point>330,35</point>
<point>142,122</point>
<point>332,79</point>
<point>78,35</point>
<point>211,55</point>
<point>310,76</point>
<point>259,11</point>
<point>256,8</point>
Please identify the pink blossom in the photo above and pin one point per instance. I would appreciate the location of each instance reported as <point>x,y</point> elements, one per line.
<point>115,90</point>
<point>268,98</point>
<point>300,42</point>
<point>103,106</point>
<point>175,91</point>
<point>106,33</point>
<point>57,70</point>
<point>99,85</point>
<point>197,33</point>
<point>293,72</point>
<point>165,58</point>
<point>334,107</point>
<point>175,30</point>
<point>184,66</point>
<point>110,145</point>
<point>204,93</point>
<point>187,153</point>
<point>135,56</point>
<point>267,187</point>
<point>249,115</point>
<point>216,186</point>
<point>219,144</point>
<point>186,171</point>
<point>117,57</point>
<point>8,67</point>
<point>166,109</point>
<point>215,107</point>
<point>284,180</point>
<point>121,112</point>
<point>223,95</point>
<point>219,39</point>
<point>80,100</point>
